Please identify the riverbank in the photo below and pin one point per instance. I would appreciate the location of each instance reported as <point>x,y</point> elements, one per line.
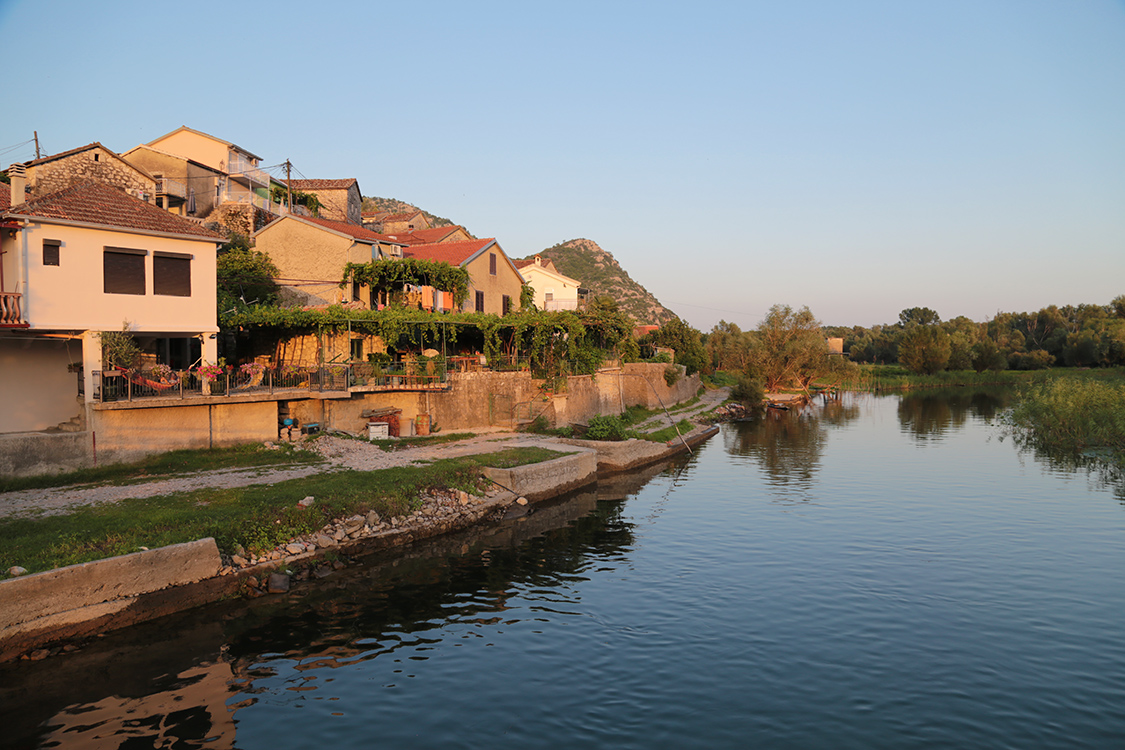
<point>40,630</point>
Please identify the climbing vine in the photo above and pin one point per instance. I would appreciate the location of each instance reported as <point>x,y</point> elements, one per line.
<point>391,276</point>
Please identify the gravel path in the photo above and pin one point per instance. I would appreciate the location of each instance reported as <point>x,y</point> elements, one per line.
<point>338,453</point>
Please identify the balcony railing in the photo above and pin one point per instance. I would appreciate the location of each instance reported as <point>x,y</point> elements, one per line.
<point>10,315</point>
<point>263,203</point>
<point>175,188</point>
<point>240,166</point>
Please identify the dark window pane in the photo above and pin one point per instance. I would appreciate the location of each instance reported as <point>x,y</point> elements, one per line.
<point>51,252</point>
<point>171,276</point>
<point>480,302</point>
<point>492,263</point>
<point>123,273</point>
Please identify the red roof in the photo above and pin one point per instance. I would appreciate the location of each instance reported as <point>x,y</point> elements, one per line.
<point>352,230</point>
<point>453,253</point>
<point>5,195</point>
<point>98,203</point>
<point>397,217</point>
<point>425,236</point>
<point>523,263</point>
<point>322,184</point>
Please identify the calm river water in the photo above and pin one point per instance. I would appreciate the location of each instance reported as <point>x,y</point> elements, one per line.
<point>880,572</point>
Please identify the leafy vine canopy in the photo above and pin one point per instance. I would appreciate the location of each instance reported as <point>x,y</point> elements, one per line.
<point>392,275</point>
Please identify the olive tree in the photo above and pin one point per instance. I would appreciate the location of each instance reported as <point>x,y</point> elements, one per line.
<point>791,350</point>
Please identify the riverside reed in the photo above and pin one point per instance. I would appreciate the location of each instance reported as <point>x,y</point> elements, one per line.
<point>257,517</point>
<point>1069,415</point>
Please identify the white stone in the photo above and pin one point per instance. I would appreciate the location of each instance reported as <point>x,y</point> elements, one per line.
<point>16,570</point>
<point>306,502</point>
<point>521,501</point>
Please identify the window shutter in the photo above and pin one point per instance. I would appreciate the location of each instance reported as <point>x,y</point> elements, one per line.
<point>51,252</point>
<point>123,271</point>
<point>171,274</point>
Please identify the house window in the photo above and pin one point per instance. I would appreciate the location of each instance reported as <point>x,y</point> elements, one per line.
<point>171,274</point>
<point>480,302</point>
<point>492,263</point>
<point>355,291</point>
<point>123,271</point>
<point>357,350</point>
<point>506,304</point>
<point>51,252</point>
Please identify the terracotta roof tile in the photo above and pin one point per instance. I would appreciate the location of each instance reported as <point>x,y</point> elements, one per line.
<point>98,203</point>
<point>453,253</point>
<point>352,230</point>
<point>323,184</point>
<point>5,195</point>
<point>399,216</point>
<point>425,236</point>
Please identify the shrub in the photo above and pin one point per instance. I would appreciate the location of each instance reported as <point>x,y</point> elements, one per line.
<point>749,391</point>
<point>606,427</point>
<point>671,375</point>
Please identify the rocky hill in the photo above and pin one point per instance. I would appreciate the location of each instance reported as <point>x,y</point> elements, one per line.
<point>372,204</point>
<point>599,272</point>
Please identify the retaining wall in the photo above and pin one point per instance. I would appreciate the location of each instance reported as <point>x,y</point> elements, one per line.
<point>548,478</point>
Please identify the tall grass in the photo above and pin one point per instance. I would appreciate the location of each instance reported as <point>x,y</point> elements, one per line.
<point>1070,415</point>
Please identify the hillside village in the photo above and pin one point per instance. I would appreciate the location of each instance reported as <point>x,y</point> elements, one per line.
<point>383,322</point>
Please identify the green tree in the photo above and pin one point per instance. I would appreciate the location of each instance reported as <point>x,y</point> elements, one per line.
<point>245,276</point>
<point>922,316</point>
<point>687,341</point>
<point>792,350</point>
<point>924,349</point>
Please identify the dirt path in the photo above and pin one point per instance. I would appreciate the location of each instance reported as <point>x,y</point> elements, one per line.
<point>338,453</point>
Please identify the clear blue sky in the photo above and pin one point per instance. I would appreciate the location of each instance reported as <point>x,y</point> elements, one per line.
<point>857,157</point>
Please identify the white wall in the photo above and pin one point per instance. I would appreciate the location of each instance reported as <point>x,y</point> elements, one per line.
<point>71,296</point>
<point>38,391</point>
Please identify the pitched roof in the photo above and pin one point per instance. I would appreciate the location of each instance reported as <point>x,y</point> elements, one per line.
<point>323,184</point>
<point>523,263</point>
<point>397,217</point>
<point>453,253</point>
<point>80,149</point>
<point>97,203</point>
<point>425,236</point>
<point>228,144</point>
<point>355,231</point>
<point>155,150</point>
<point>5,195</point>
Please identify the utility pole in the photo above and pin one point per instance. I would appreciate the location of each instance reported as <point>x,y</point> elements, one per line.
<point>36,132</point>
<point>288,187</point>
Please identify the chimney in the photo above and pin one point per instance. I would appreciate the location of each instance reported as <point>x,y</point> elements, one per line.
<point>18,176</point>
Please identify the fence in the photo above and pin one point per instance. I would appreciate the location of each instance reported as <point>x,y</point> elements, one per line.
<point>122,385</point>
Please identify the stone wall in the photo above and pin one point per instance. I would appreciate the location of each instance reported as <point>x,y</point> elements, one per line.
<point>239,218</point>
<point>644,385</point>
<point>98,164</point>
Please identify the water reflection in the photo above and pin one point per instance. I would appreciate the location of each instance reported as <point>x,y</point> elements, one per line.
<point>930,415</point>
<point>789,445</point>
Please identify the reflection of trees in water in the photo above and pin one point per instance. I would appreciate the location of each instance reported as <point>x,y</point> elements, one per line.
<point>788,445</point>
<point>1103,469</point>
<point>930,415</point>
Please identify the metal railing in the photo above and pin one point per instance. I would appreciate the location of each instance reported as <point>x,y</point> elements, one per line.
<point>263,203</point>
<point>428,375</point>
<point>121,385</point>
<point>10,309</point>
<point>240,166</point>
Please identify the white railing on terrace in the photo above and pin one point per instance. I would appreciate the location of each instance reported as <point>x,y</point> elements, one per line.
<point>240,166</point>
<point>560,304</point>
<point>165,186</point>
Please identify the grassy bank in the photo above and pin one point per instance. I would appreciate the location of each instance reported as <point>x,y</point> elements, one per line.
<point>257,517</point>
<point>167,464</point>
<point>896,378</point>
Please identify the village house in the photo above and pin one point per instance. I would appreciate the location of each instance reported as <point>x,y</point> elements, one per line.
<point>433,235</point>
<point>553,290</point>
<point>310,255</point>
<point>183,186</point>
<point>84,260</point>
<point>494,282</point>
<point>389,222</point>
<point>90,162</point>
<point>340,200</point>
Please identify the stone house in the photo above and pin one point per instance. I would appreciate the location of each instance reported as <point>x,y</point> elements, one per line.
<point>494,282</point>
<point>83,260</point>
<point>240,178</point>
<point>310,254</point>
<point>340,200</point>
<point>433,235</point>
<point>90,162</point>
<point>396,223</point>
<point>553,290</point>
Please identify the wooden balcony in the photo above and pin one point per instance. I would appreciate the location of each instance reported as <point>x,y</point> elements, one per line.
<point>10,316</point>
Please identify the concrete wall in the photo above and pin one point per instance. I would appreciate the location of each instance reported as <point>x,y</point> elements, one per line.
<point>548,478</point>
<point>171,166</point>
<point>80,592</point>
<point>196,147</point>
<point>31,454</point>
<point>127,434</point>
<point>589,395</point>
<point>38,391</point>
